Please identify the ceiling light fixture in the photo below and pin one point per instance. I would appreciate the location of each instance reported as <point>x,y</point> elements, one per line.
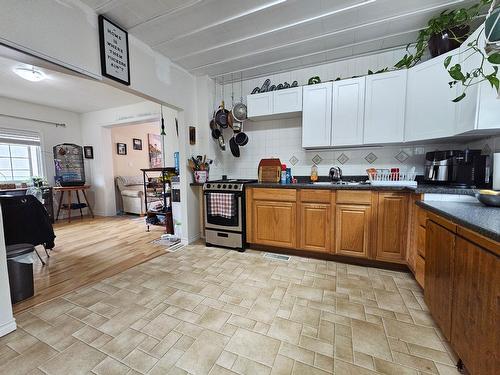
<point>31,74</point>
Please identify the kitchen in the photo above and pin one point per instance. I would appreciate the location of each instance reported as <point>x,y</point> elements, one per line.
<point>337,193</point>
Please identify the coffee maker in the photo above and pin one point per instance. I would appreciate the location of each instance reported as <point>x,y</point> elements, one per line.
<point>457,168</point>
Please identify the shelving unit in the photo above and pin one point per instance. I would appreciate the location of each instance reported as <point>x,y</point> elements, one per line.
<point>158,189</point>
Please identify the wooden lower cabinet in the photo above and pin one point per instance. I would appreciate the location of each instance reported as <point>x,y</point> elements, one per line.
<point>392,227</point>
<point>274,223</point>
<point>439,274</point>
<point>352,230</point>
<point>315,227</point>
<point>420,270</point>
<point>476,309</point>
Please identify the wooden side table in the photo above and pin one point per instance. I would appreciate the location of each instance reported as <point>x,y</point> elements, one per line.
<point>69,190</point>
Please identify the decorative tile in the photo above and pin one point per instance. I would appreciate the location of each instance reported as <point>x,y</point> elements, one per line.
<point>317,159</point>
<point>371,157</point>
<point>486,150</point>
<point>293,160</point>
<point>343,158</point>
<point>402,156</point>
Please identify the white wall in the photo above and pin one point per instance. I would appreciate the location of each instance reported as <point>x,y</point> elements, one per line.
<point>50,134</point>
<point>7,321</point>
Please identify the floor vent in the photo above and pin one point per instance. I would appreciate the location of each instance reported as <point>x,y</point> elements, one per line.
<point>286,258</point>
<point>176,247</point>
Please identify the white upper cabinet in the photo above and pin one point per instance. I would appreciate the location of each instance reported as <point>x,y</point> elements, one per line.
<point>430,112</point>
<point>288,100</point>
<point>317,115</point>
<point>348,112</point>
<point>385,107</point>
<point>275,104</point>
<point>480,109</point>
<point>260,104</point>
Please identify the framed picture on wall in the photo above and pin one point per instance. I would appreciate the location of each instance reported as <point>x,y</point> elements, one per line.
<point>154,150</point>
<point>88,152</point>
<point>113,41</point>
<point>121,148</point>
<point>137,144</point>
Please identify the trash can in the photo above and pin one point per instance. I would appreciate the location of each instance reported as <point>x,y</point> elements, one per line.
<point>20,268</point>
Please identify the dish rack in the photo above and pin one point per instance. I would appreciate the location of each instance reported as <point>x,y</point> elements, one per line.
<point>388,178</point>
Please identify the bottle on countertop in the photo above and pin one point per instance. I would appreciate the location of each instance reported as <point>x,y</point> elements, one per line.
<point>289,175</point>
<point>283,173</point>
<point>314,173</point>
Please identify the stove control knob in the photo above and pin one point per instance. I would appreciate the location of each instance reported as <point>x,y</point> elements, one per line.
<point>218,186</point>
<point>229,186</point>
<point>236,187</point>
<point>208,186</point>
<point>224,186</point>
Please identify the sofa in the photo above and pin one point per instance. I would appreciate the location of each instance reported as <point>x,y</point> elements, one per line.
<point>131,190</point>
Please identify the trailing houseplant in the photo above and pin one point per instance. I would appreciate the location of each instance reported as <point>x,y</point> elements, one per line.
<point>451,27</point>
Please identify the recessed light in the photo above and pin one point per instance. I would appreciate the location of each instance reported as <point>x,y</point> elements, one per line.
<point>30,73</point>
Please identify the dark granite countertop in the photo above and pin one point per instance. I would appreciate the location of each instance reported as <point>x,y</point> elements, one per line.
<point>471,215</point>
<point>420,189</point>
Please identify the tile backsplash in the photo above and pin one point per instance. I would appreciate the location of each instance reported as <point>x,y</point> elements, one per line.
<point>282,139</point>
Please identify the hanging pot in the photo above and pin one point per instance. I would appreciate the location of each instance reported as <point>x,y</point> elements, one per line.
<point>235,150</point>
<point>240,109</point>
<point>241,138</point>
<point>221,116</point>
<point>447,40</point>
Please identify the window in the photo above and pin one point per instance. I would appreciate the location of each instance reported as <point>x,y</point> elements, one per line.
<point>20,155</point>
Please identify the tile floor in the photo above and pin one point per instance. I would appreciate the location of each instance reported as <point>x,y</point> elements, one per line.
<point>210,311</point>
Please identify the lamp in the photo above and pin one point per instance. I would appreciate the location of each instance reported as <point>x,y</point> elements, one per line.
<point>31,74</point>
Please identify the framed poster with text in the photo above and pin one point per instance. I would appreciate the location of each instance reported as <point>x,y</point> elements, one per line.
<point>113,41</point>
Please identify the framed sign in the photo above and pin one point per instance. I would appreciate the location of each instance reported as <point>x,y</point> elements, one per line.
<point>113,41</point>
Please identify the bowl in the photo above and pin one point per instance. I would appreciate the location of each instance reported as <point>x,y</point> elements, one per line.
<point>488,197</point>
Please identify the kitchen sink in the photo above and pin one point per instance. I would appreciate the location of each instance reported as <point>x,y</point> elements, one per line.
<point>328,183</point>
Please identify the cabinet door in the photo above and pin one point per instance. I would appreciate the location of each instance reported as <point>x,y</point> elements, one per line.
<point>274,223</point>
<point>476,292</point>
<point>348,112</point>
<point>430,112</point>
<point>439,252</point>
<point>352,226</point>
<point>260,104</point>
<point>392,227</point>
<point>288,100</point>
<point>385,107</point>
<point>315,227</point>
<point>317,115</point>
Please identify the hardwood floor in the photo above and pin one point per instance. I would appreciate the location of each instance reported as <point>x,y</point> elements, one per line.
<point>90,250</point>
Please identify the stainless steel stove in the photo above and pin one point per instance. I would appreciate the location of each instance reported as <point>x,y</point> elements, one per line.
<point>225,222</point>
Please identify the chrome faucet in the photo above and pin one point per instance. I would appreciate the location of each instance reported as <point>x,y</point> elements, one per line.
<point>335,174</point>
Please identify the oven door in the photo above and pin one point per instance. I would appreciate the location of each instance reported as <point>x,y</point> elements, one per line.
<point>233,224</point>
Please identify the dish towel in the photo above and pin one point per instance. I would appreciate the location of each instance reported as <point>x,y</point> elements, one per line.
<point>222,204</point>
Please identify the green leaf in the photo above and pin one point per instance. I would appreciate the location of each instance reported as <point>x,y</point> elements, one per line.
<point>447,61</point>
<point>458,98</point>
<point>495,58</point>
<point>456,73</point>
<point>494,81</point>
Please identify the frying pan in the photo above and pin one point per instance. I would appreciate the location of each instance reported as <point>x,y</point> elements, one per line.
<point>235,150</point>
<point>221,116</point>
<point>241,138</point>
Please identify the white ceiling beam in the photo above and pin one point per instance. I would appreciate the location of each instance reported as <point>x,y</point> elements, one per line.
<point>319,52</point>
<point>221,22</point>
<point>372,23</point>
<point>182,7</point>
<point>284,27</point>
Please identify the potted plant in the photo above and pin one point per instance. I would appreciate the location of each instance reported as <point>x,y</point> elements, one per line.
<point>443,33</point>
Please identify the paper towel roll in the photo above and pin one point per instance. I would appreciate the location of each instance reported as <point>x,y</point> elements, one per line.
<point>496,171</point>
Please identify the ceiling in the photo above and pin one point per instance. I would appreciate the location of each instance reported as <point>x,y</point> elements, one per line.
<point>256,37</point>
<point>61,90</point>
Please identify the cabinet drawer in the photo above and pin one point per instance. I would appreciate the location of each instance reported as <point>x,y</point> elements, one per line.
<point>354,197</point>
<point>315,196</point>
<point>420,270</point>
<point>421,241</point>
<point>277,195</point>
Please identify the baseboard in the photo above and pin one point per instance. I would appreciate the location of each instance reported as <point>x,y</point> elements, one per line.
<point>8,327</point>
<point>194,238</point>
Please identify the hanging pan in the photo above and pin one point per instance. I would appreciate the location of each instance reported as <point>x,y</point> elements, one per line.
<point>240,109</point>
